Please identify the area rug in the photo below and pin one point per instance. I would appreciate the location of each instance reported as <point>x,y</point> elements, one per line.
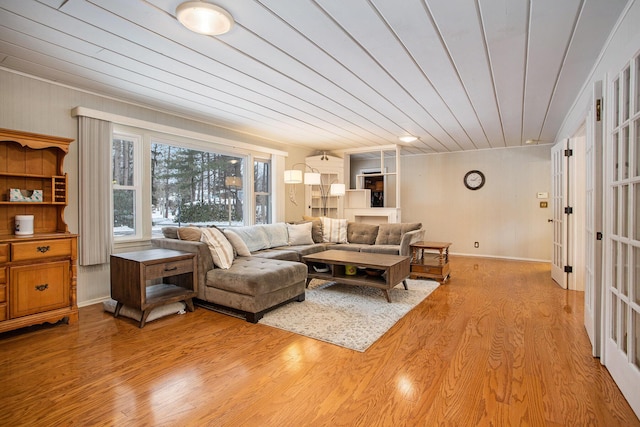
<point>349,316</point>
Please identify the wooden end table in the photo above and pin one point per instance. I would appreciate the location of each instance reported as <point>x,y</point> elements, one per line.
<point>430,260</point>
<point>151,278</point>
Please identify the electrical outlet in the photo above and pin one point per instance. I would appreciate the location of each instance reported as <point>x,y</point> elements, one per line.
<point>476,245</point>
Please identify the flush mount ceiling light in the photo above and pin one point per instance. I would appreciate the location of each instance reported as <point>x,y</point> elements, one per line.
<point>204,18</point>
<point>407,138</point>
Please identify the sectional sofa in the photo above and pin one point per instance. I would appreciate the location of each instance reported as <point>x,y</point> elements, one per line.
<point>253,269</point>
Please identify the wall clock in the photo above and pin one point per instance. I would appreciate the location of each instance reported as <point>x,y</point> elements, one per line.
<point>474,180</point>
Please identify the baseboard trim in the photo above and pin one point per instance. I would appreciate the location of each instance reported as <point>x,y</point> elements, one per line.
<point>501,257</point>
<point>93,301</point>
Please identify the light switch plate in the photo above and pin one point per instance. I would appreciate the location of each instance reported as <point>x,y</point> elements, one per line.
<point>543,195</point>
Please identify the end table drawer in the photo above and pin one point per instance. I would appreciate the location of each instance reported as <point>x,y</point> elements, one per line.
<point>170,268</point>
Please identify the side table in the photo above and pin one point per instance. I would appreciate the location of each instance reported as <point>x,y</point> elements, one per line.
<point>151,278</point>
<point>426,263</point>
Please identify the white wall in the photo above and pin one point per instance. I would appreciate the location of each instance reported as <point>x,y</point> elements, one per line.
<point>33,105</point>
<point>504,216</point>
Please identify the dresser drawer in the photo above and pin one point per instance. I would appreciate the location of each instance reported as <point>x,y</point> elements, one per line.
<point>3,275</point>
<point>24,251</point>
<point>170,268</point>
<point>38,288</point>
<point>3,293</point>
<point>4,252</point>
<point>3,312</point>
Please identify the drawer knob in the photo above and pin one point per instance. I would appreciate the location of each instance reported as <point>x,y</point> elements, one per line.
<point>42,249</point>
<point>42,287</point>
<point>171,269</point>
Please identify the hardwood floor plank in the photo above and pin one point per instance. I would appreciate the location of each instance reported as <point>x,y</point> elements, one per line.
<point>499,344</point>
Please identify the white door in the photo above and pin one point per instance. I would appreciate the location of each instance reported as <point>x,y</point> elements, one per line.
<point>593,223</point>
<point>559,197</point>
<point>622,261</point>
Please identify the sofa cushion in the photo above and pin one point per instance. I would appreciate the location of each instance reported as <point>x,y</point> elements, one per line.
<point>255,237</point>
<point>358,232</point>
<point>170,232</point>
<point>316,228</point>
<point>334,230</point>
<point>391,234</point>
<point>300,234</point>
<point>303,250</point>
<point>257,276</point>
<point>352,247</point>
<point>238,244</point>
<point>278,253</point>
<point>191,234</point>
<point>276,233</point>
<point>381,249</point>
<point>220,248</point>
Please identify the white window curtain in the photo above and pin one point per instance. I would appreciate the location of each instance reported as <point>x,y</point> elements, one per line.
<point>94,149</point>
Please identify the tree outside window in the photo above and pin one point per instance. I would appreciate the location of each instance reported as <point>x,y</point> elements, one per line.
<point>195,187</point>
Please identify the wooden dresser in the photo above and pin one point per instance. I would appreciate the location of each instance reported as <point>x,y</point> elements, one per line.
<point>38,272</point>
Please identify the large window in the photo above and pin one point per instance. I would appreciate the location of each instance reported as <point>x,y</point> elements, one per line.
<point>195,187</point>
<point>158,183</point>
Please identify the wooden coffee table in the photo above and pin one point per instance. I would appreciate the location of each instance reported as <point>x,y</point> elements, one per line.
<point>376,270</point>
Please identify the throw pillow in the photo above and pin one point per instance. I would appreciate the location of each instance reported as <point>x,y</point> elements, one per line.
<point>189,233</point>
<point>316,230</point>
<point>300,234</point>
<point>276,233</point>
<point>220,248</point>
<point>253,236</point>
<point>334,230</point>
<point>237,243</point>
<point>170,232</point>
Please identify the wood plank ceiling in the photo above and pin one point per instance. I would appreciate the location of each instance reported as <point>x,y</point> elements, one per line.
<point>329,74</point>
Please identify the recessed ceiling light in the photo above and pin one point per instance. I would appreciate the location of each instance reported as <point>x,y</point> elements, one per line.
<point>407,138</point>
<point>531,141</point>
<point>204,18</point>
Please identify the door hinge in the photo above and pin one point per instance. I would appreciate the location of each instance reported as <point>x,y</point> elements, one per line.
<point>568,210</point>
<point>599,235</point>
<point>568,269</point>
<point>598,109</point>
<point>568,153</point>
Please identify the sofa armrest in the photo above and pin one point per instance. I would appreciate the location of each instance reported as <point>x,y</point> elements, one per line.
<point>203,255</point>
<point>410,238</point>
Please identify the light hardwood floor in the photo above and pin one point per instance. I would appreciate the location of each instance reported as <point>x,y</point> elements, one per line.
<point>500,344</point>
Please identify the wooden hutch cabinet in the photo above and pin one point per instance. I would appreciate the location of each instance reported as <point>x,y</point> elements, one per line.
<point>38,272</point>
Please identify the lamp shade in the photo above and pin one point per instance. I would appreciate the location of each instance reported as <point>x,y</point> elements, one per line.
<point>233,181</point>
<point>337,190</point>
<point>204,18</point>
<point>292,176</point>
<point>312,178</point>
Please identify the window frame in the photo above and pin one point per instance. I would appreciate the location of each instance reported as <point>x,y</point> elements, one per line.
<point>137,187</point>
<point>269,193</point>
